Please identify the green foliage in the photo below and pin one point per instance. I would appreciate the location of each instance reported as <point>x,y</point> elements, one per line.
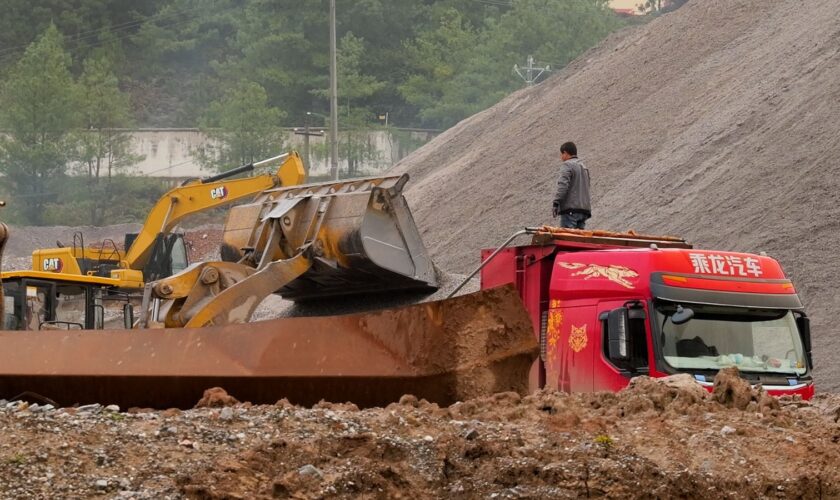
<point>471,70</point>
<point>243,125</point>
<point>39,103</point>
<point>605,442</point>
<point>130,200</point>
<point>241,69</point>
<point>102,149</point>
<point>425,63</point>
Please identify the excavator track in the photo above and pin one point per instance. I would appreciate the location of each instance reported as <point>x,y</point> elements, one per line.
<point>443,351</point>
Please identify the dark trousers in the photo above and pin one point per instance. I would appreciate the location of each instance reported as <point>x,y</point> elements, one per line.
<point>573,220</point>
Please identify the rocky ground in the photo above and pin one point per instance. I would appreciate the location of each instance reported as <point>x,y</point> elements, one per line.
<point>657,439</point>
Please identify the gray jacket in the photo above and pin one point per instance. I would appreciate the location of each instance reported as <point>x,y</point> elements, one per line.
<point>573,188</point>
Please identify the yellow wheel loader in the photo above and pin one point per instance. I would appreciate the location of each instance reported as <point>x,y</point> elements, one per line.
<point>72,286</point>
<point>316,243</point>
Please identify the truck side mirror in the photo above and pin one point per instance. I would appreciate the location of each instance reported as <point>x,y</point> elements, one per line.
<point>803,323</point>
<point>128,316</point>
<point>619,339</point>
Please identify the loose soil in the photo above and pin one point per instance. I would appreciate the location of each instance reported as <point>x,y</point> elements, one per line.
<point>658,439</point>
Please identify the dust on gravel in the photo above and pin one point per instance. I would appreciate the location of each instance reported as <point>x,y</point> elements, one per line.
<point>657,439</point>
<point>717,122</point>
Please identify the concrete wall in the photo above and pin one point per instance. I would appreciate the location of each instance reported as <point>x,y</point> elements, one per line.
<point>172,152</point>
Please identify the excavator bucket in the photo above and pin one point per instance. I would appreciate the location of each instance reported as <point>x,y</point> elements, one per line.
<point>443,351</point>
<point>359,233</point>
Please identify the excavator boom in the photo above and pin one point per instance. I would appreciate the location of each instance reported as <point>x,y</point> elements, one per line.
<point>203,194</point>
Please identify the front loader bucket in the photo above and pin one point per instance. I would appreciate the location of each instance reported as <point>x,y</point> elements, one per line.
<point>443,351</point>
<point>360,231</point>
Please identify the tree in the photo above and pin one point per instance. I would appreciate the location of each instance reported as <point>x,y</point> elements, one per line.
<point>103,149</point>
<point>243,126</point>
<point>38,110</point>
<point>436,57</point>
<point>476,72</point>
<point>354,86</point>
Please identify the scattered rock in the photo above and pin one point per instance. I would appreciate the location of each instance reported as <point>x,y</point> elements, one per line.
<point>310,470</point>
<point>471,434</point>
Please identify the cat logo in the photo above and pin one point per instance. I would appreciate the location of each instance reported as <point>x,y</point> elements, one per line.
<point>53,264</point>
<point>219,193</point>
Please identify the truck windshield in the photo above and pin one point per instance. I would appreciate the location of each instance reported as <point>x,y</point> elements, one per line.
<point>754,340</point>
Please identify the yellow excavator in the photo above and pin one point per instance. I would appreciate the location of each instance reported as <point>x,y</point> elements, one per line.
<point>72,286</point>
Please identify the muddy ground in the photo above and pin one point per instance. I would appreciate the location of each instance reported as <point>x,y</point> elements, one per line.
<point>658,439</point>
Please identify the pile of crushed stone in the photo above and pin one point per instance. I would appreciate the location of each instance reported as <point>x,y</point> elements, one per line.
<point>658,438</point>
<point>716,122</point>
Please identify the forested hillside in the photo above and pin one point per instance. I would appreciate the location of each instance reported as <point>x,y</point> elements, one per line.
<point>425,63</point>
<point>75,73</point>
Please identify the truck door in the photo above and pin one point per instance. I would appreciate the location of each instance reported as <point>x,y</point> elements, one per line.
<point>575,350</point>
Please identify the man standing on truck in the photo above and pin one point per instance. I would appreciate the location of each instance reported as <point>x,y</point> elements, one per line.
<point>571,202</point>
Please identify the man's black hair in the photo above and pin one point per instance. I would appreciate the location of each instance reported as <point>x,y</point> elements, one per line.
<point>569,147</point>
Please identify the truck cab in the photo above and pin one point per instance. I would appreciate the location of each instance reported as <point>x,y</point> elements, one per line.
<point>606,309</point>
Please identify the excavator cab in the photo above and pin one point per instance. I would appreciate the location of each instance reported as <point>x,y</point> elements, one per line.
<point>168,256</point>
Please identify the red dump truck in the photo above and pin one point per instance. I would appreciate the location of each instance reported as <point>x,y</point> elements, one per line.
<point>607,307</point>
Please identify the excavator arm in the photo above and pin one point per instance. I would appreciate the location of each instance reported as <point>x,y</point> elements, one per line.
<point>204,194</point>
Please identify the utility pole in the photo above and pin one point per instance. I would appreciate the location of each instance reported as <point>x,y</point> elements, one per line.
<point>529,75</point>
<point>333,97</point>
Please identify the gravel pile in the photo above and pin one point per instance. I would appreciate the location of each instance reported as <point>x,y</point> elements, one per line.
<point>717,122</point>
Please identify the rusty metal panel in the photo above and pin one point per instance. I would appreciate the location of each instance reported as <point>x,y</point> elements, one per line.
<point>442,351</point>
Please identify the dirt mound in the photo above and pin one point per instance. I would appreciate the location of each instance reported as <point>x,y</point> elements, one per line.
<point>681,443</point>
<point>216,397</point>
<point>734,392</point>
<point>544,445</point>
<point>716,122</point>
